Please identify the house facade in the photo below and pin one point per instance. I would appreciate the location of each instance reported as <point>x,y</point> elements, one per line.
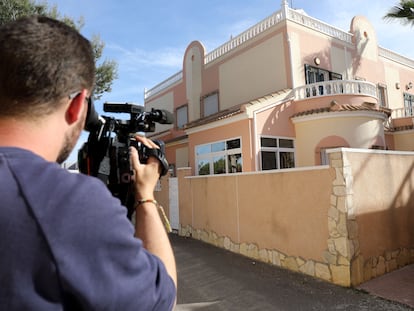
<point>283,92</point>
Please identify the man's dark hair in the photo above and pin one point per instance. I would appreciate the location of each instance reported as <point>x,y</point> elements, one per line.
<point>42,61</point>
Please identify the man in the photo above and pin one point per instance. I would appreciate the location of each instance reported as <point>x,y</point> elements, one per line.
<point>66,243</point>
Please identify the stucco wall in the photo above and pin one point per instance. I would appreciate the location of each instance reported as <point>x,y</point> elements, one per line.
<point>345,223</point>
<point>383,207</point>
<point>366,131</point>
<point>262,208</point>
<point>404,140</point>
<point>258,71</point>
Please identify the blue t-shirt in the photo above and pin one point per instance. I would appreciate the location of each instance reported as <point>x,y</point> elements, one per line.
<point>66,243</point>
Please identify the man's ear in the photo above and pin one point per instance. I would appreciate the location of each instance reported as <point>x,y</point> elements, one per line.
<point>76,106</point>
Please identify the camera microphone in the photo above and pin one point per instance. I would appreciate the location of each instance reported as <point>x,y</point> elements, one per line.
<point>161,116</point>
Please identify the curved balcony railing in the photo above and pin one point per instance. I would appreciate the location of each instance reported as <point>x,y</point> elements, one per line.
<point>335,87</point>
<point>405,112</point>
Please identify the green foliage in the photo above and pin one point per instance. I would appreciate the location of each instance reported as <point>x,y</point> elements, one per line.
<point>106,70</point>
<point>403,12</point>
<point>13,9</point>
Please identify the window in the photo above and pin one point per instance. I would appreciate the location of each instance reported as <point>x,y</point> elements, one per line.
<point>182,116</point>
<point>382,95</point>
<point>324,156</point>
<point>315,75</point>
<point>210,104</point>
<point>221,157</point>
<point>408,104</point>
<point>276,153</point>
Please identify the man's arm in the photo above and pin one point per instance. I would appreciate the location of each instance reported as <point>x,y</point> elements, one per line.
<point>148,225</point>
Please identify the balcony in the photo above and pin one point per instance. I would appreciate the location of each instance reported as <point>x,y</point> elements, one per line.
<point>406,112</point>
<point>402,119</point>
<point>335,96</point>
<point>335,87</point>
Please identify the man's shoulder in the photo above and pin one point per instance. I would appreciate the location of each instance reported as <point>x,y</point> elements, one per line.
<point>39,179</point>
<point>29,167</point>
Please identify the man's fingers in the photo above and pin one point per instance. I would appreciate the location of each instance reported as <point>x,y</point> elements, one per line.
<point>147,142</point>
<point>133,153</point>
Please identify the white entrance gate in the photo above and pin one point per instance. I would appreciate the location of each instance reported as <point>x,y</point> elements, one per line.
<point>173,203</point>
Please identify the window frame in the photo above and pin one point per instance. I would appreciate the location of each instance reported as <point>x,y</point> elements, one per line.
<point>382,95</point>
<point>408,104</point>
<point>331,75</point>
<point>203,101</point>
<point>177,116</point>
<point>210,157</point>
<point>277,151</point>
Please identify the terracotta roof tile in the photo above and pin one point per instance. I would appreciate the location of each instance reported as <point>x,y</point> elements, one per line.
<point>334,107</point>
<point>224,114</point>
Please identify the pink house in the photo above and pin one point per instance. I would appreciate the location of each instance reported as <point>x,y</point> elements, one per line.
<point>281,93</point>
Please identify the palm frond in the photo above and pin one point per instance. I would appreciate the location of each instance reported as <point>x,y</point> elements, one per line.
<point>403,12</point>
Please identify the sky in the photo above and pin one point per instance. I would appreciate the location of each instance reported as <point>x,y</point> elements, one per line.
<point>147,39</point>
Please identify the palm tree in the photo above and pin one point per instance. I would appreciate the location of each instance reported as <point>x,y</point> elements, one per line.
<point>404,12</point>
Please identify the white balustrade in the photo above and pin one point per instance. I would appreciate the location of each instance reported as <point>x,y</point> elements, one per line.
<point>402,112</point>
<point>318,25</point>
<point>335,87</point>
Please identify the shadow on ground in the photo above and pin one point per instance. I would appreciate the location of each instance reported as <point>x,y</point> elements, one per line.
<point>210,278</point>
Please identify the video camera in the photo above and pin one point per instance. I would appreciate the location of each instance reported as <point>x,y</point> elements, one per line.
<point>106,153</point>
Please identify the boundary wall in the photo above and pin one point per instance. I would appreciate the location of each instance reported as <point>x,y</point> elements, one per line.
<point>345,223</point>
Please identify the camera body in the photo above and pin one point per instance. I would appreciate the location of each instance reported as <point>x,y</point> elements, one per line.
<point>105,155</point>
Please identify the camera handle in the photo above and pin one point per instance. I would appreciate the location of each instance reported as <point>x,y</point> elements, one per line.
<point>145,152</point>
<point>159,155</point>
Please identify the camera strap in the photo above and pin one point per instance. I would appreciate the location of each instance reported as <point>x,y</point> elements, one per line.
<point>159,155</point>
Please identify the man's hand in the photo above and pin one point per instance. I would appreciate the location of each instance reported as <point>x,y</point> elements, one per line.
<point>145,175</point>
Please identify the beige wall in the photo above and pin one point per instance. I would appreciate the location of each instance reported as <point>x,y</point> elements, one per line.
<point>394,95</point>
<point>271,211</point>
<point>404,140</point>
<point>381,200</point>
<point>253,73</point>
<point>181,155</point>
<point>384,204</point>
<point>276,120</point>
<point>262,208</point>
<point>361,131</point>
<point>346,223</point>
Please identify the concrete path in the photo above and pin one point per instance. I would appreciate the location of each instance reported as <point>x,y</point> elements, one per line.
<point>397,285</point>
<point>211,278</point>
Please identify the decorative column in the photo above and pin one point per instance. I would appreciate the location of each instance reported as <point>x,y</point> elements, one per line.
<point>343,244</point>
<point>285,8</point>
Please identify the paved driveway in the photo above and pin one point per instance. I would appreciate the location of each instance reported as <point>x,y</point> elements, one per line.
<point>211,278</point>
